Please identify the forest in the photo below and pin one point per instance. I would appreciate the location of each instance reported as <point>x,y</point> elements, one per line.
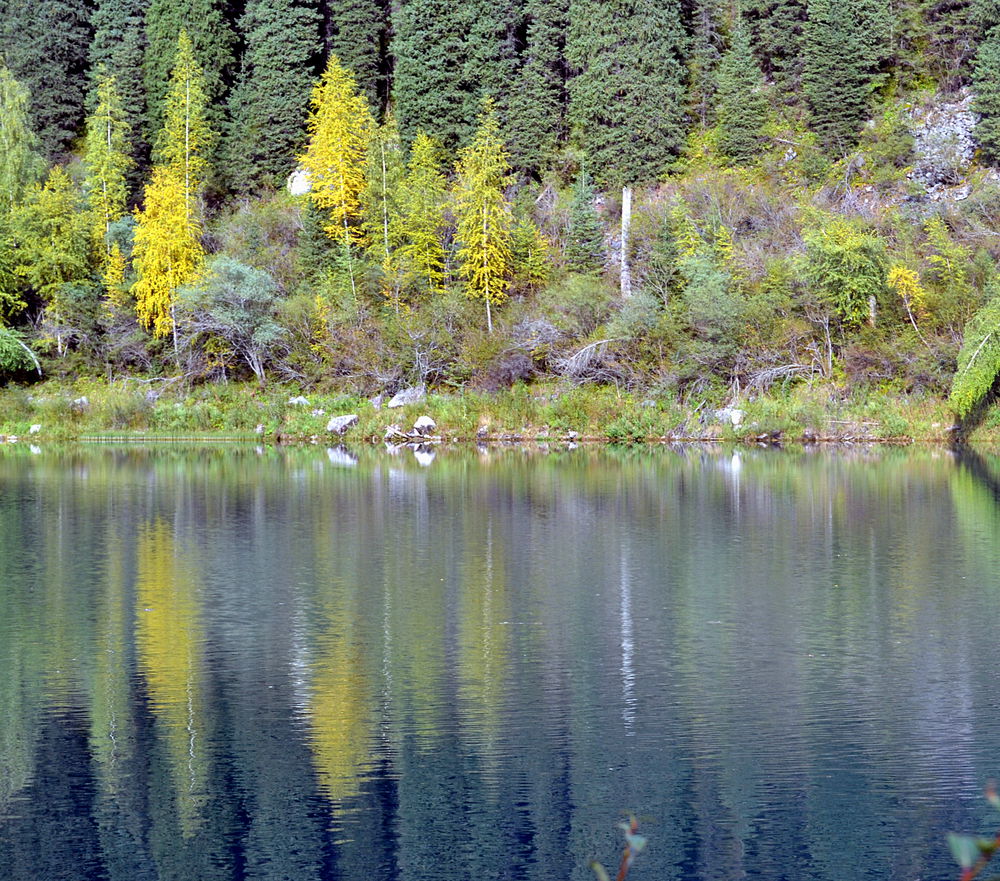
<point>683,200</point>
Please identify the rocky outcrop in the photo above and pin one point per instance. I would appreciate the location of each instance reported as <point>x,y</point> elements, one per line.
<point>407,396</point>
<point>943,142</point>
<point>340,424</point>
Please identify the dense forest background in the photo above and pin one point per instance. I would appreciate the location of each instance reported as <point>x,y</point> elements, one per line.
<point>704,196</point>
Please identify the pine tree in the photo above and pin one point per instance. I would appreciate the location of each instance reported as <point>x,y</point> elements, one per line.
<point>491,56</point>
<point>483,216</point>
<point>167,252</point>
<point>538,101</point>
<point>776,27</point>
<point>339,126</point>
<point>212,39</point>
<point>836,74</point>
<point>585,239</point>
<point>704,55</point>
<point>107,161</point>
<point>356,31</point>
<point>118,50</point>
<point>422,216</point>
<point>20,164</point>
<point>429,85</point>
<point>45,46</point>
<point>627,99</point>
<point>742,106</point>
<point>986,82</point>
<point>268,104</point>
<point>186,138</point>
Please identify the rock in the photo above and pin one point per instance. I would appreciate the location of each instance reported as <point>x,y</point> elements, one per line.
<point>413,395</point>
<point>34,429</point>
<point>80,405</point>
<point>317,412</point>
<point>482,432</point>
<point>299,183</point>
<point>731,415</point>
<point>299,401</point>
<point>572,435</point>
<point>377,401</point>
<point>424,425</point>
<point>943,142</point>
<point>648,403</point>
<point>259,429</point>
<point>340,424</point>
<point>393,431</point>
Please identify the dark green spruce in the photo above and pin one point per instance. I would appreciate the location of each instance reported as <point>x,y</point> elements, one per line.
<point>538,102</point>
<point>986,82</point>
<point>585,239</point>
<point>776,30</point>
<point>627,98</point>
<point>742,104</point>
<point>430,89</point>
<point>44,43</point>
<point>357,32</point>
<point>268,104</point>
<point>119,48</point>
<point>213,39</point>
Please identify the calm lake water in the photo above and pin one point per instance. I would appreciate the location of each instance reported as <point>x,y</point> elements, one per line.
<point>292,664</point>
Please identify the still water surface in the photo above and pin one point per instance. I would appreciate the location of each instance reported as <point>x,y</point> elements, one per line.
<point>231,664</point>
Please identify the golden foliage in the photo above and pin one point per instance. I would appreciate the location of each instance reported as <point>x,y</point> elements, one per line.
<point>167,251</point>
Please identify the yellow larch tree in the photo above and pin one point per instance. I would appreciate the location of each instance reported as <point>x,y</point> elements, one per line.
<point>167,252</point>
<point>483,215</point>
<point>340,126</point>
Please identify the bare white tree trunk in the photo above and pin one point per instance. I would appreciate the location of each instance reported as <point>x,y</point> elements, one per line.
<point>626,272</point>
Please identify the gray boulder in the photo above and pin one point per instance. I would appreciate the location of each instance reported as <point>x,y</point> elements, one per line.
<point>424,425</point>
<point>340,424</point>
<point>413,395</point>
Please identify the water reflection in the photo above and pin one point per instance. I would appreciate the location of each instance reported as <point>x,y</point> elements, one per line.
<point>260,664</point>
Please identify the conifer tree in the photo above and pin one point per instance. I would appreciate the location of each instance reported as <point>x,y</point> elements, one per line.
<point>107,161</point>
<point>20,163</point>
<point>186,138</point>
<point>627,98</point>
<point>339,126</point>
<point>986,83</point>
<point>538,100</point>
<point>167,252</point>
<point>429,85</point>
<point>742,106</point>
<point>118,50</point>
<point>491,56</point>
<point>835,77</point>
<point>212,39</point>
<point>45,46</point>
<point>422,216</point>
<point>585,242</point>
<point>356,31</point>
<point>704,55</point>
<point>776,27</point>
<point>483,216</point>
<point>268,103</point>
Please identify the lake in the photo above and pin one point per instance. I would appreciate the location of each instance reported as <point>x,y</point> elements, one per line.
<point>304,664</point>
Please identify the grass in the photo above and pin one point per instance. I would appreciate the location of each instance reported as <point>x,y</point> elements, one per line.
<point>537,412</point>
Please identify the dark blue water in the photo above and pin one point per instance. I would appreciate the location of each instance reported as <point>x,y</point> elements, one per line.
<point>240,664</point>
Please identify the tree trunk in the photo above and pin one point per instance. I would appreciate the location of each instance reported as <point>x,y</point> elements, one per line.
<point>626,273</point>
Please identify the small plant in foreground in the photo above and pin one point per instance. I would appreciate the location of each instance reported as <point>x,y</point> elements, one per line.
<point>973,852</point>
<point>634,842</point>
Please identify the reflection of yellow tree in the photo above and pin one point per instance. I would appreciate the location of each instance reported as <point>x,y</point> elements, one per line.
<point>339,713</point>
<point>170,644</point>
<point>483,649</point>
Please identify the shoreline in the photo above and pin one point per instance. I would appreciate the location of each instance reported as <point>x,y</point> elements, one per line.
<point>95,412</point>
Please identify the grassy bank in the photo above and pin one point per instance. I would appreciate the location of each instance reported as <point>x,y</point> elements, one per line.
<point>93,410</point>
